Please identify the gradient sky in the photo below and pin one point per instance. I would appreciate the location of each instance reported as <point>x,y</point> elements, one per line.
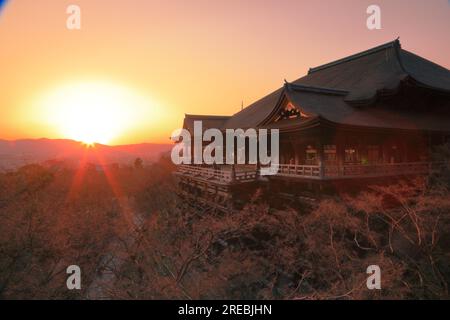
<point>200,57</point>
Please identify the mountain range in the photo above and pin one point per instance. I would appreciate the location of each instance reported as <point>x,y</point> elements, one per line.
<point>16,153</point>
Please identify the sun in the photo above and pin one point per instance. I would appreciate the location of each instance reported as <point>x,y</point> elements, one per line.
<point>93,112</point>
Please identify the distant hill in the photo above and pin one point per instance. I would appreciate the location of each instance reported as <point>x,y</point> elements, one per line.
<point>20,152</point>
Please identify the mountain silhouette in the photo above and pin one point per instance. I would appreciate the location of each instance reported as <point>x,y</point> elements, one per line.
<point>14,153</point>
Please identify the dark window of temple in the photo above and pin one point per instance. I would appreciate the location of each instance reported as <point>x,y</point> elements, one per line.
<point>373,154</point>
<point>351,155</point>
<point>330,152</point>
<point>311,155</point>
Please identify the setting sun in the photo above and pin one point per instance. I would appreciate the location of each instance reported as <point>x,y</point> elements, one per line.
<point>93,112</point>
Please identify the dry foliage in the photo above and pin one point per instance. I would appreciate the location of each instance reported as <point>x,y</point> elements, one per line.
<point>160,247</point>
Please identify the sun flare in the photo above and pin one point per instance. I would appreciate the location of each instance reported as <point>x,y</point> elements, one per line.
<point>95,112</point>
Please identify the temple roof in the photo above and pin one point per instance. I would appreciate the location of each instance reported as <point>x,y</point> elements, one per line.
<point>208,121</point>
<point>343,91</point>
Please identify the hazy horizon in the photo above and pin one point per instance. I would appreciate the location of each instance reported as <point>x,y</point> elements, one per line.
<point>81,142</point>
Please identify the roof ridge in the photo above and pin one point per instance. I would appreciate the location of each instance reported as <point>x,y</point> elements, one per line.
<point>387,45</point>
<point>294,86</point>
<point>205,116</point>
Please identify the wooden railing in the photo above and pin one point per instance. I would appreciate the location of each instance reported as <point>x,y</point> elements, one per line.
<point>221,175</point>
<point>359,170</point>
<point>246,176</point>
<point>242,174</point>
<point>374,170</point>
<point>206,173</point>
<point>299,170</point>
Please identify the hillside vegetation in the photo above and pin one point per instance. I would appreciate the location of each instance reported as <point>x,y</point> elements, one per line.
<point>130,222</point>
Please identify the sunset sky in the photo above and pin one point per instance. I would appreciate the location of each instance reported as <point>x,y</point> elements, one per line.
<point>148,62</point>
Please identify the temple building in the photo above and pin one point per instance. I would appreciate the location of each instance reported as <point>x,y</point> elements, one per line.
<point>378,113</point>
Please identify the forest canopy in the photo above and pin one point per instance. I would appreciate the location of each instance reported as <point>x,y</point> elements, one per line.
<point>134,238</point>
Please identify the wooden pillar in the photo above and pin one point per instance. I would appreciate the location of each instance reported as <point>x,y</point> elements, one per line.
<point>301,153</point>
<point>430,149</point>
<point>362,153</point>
<point>405,149</point>
<point>321,156</point>
<point>297,153</point>
<point>340,151</point>
<point>384,150</point>
<point>291,149</point>
<point>282,149</point>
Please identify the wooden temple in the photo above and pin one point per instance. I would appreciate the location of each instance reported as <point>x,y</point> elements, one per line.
<point>374,114</point>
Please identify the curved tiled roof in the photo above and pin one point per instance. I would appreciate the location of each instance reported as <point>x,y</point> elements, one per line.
<point>207,121</point>
<point>335,91</point>
<point>334,109</point>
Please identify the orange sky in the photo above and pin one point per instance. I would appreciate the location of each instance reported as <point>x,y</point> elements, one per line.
<point>176,57</point>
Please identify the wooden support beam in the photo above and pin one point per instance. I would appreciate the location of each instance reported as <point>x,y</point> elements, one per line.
<point>321,155</point>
